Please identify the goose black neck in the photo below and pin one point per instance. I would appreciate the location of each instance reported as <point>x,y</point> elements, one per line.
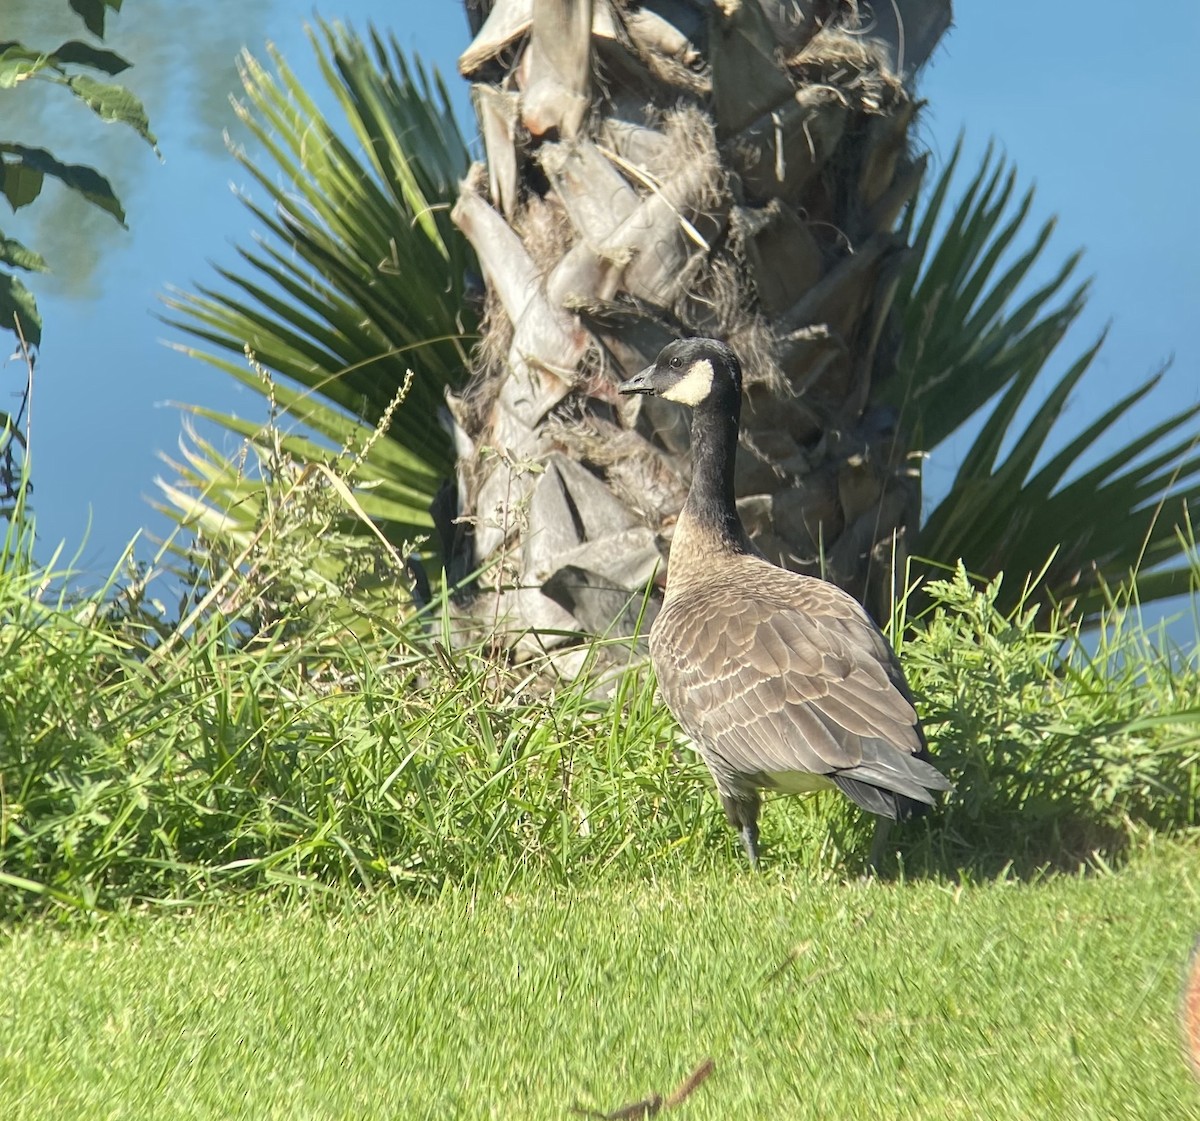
<point>710,500</point>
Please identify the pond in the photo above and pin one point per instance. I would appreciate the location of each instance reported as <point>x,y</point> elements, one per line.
<point>104,383</point>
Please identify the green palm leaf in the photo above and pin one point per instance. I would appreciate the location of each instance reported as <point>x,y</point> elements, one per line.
<point>974,341</point>
<point>357,276</point>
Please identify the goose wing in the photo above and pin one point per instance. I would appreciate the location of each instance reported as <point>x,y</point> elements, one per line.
<point>788,680</point>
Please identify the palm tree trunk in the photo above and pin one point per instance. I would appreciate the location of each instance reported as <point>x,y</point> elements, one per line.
<point>733,168</point>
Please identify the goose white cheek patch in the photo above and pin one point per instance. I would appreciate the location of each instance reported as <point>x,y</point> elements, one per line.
<point>694,386</point>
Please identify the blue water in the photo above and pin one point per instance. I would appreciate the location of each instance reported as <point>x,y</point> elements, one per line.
<point>105,382</point>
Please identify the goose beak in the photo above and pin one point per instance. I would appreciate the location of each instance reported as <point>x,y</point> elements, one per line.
<point>640,383</point>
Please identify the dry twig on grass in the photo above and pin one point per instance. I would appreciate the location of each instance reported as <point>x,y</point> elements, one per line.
<point>650,1106</point>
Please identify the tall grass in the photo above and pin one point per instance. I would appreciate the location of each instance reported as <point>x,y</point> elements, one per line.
<point>295,724</point>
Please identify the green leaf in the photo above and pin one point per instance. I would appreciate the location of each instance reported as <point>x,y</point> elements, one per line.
<point>78,53</point>
<point>113,103</point>
<point>18,305</point>
<point>21,178</point>
<point>15,254</point>
<point>20,182</point>
<point>972,336</point>
<point>92,13</point>
<point>957,331</point>
<point>18,62</point>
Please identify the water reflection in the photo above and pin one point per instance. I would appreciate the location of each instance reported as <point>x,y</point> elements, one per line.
<point>183,54</point>
<point>103,373</point>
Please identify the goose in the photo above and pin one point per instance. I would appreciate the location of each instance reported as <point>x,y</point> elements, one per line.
<point>782,681</point>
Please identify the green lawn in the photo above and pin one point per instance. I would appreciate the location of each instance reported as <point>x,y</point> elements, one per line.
<point>816,1000</point>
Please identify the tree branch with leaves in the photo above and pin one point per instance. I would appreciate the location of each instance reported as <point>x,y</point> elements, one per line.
<point>24,169</point>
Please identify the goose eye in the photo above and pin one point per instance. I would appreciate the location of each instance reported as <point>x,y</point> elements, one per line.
<point>676,363</point>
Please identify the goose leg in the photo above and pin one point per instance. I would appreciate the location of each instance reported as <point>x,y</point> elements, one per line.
<point>749,835</point>
<point>741,810</point>
<point>883,828</point>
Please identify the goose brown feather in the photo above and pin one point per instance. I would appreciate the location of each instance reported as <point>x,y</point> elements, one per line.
<point>776,675</point>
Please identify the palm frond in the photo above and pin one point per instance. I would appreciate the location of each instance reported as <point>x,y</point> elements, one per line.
<point>967,349</point>
<point>357,274</point>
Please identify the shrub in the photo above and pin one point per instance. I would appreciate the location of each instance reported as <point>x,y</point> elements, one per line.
<point>1049,733</point>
